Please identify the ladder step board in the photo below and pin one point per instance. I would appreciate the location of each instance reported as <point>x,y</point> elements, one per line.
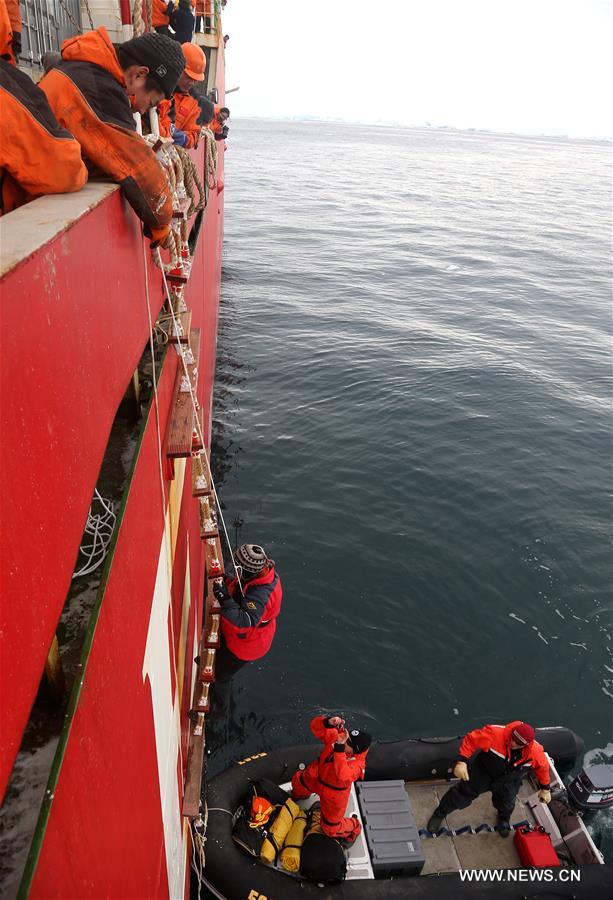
<point>201,486</point>
<point>193,774</point>
<point>180,208</point>
<point>214,559</point>
<point>208,519</point>
<point>179,439</point>
<point>181,336</point>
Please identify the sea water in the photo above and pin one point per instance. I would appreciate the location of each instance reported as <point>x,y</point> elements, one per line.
<point>413,416</point>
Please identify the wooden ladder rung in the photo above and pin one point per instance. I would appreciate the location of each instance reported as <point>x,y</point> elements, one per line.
<point>180,434</point>
<point>201,486</point>
<point>207,665</point>
<point>195,756</point>
<point>184,320</point>
<point>214,559</point>
<point>181,424</point>
<point>208,519</point>
<point>180,208</point>
<point>213,639</point>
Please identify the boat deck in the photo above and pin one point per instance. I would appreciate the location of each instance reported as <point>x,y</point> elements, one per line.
<point>467,851</point>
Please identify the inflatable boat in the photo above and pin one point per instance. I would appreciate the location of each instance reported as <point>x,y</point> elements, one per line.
<point>467,843</point>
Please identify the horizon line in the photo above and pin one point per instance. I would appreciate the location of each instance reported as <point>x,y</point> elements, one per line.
<point>428,126</point>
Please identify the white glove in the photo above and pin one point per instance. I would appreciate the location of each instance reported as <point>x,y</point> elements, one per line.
<point>460,770</point>
<point>545,795</point>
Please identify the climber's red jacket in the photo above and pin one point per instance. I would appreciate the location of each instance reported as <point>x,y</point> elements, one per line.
<point>88,95</point>
<point>496,739</point>
<point>248,624</point>
<point>37,156</point>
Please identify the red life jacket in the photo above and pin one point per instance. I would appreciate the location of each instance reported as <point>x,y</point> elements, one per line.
<point>496,739</point>
<point>262,593</point>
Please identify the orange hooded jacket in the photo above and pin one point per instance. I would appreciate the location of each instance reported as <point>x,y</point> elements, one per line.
<point>87,93</point>
<point>496,739</point>
<point>36,156</point>
<point>186,111</point>
<point>160,13</point>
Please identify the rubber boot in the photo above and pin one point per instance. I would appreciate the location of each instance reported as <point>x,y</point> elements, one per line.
<point>504,827</point>
<point>435,820</point>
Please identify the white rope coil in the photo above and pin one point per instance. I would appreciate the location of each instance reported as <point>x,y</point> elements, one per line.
<point>98,532</point>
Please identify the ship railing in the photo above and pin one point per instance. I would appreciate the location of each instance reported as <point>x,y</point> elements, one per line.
<point>45,25</point>
<point>211,18</point>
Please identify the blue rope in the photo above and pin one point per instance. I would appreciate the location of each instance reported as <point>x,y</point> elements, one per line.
<point>468,829</point>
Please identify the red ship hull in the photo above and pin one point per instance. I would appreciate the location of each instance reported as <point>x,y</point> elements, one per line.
<point>75,323</point>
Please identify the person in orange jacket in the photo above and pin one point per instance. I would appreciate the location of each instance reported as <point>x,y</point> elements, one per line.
<point>14,13</point>
<point>161,12</point>
<point>341,762</point>
<point>495,758</point>
<point>37,156</point>
<point>94,92</point>
<point>178,118</point>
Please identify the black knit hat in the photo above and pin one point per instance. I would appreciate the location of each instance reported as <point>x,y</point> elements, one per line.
<point>162,56</point>
<point>359,741</point>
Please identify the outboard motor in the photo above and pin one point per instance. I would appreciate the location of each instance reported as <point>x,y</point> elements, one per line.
<point>592,789</point>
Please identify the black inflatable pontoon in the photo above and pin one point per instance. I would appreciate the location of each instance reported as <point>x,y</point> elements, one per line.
<point>232,874</point>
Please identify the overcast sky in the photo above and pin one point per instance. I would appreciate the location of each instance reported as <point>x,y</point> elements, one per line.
<point>529,66</point>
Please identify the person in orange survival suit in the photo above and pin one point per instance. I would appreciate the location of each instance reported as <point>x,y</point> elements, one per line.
<point>342,761</point>
<point>37,156</point>
<point>93,93</point>
<point>178,118</point>
<point>503,754</point>
<point>248,615</point>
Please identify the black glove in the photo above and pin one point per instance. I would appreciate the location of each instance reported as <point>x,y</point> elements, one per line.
<point>17,43</point>
<point>220,592</point>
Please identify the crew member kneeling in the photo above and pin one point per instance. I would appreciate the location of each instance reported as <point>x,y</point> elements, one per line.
<point>342,761</point>
<point>503,753</point>
<point>248,616</point>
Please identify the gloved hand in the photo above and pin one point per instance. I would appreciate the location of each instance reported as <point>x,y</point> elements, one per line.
<point>545,795</point>
<point>179,137</point>
<point>220,592</point>
<point>460,770</point>
<point>16,43</point>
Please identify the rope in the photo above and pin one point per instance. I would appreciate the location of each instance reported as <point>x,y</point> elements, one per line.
<point>199,827</point>
<point>77,28</point>
<point>155,384</point>
<point>149,8</point>
<point>181,351</point>
<point>210,158</point>
<point>468,829</point>
<point>89,14</point>
<point>99,527</point>
<point>137,18</point>
<point>191,181</point>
